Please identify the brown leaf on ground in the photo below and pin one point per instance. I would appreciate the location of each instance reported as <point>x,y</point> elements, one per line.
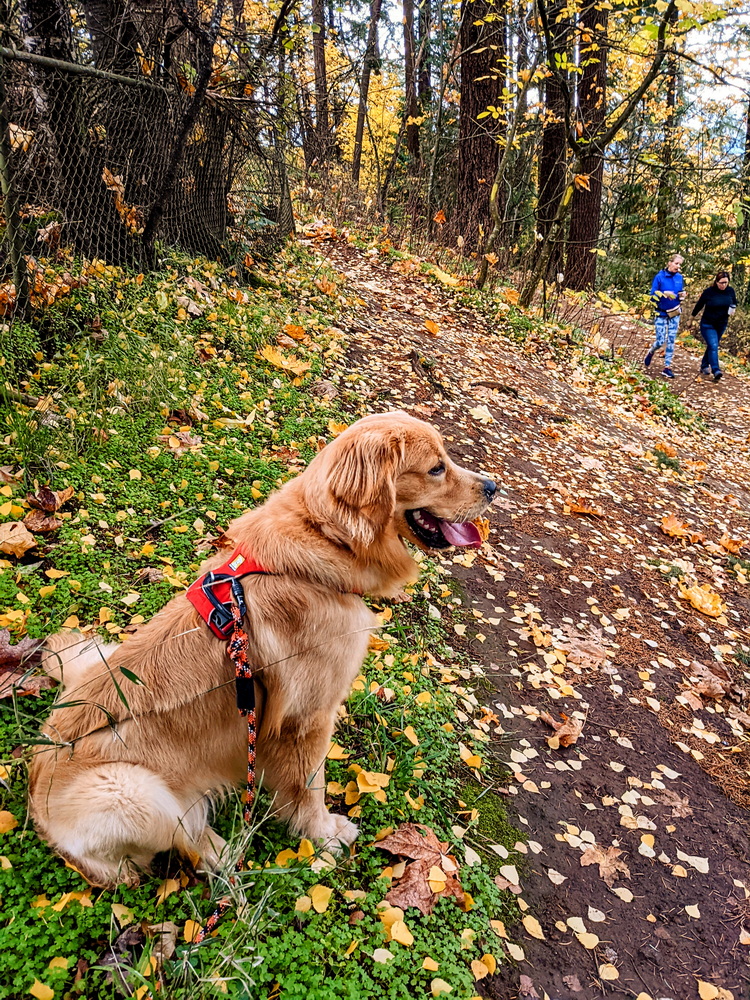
<point>526,987</point>
<point>14,656</point>
<point>7,475</point>
<point>680,806</point>
<point>151,574</point>
<point>583,507</point>
<point>566,732</point>
<point>20,681</point>
<point>49,500</point>
<point>41,523</point>
<point>588,653</point>
<point>417,841</point>
<point>573,983</point>
<point>714,680</point>
<point>609,862</point>
<point>732,544</point>
<point>676,528</point>
<point>15,539</point>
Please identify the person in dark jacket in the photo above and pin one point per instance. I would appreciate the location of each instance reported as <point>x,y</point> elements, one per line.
<point>667,293</point>
<point>718,302</point>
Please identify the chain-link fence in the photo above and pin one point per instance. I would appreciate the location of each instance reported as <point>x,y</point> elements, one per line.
<point>157,149</point>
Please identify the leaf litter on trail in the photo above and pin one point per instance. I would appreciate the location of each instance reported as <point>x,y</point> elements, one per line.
<point>431,873</point>
<point>608,859</point>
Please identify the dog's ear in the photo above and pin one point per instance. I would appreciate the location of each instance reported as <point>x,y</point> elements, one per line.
<point>362,481</point>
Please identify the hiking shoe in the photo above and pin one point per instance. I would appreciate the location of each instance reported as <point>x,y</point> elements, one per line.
<point>717,376</point>
<point>669,372</point>
<point>705,371</point>
<point>648,359</point>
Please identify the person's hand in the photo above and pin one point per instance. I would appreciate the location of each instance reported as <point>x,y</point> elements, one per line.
<point>681,295</point>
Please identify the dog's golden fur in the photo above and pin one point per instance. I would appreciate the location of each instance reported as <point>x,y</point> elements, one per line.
<point>123,783</point>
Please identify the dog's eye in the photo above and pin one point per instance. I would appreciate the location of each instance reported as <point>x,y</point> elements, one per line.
<point>438,470</point>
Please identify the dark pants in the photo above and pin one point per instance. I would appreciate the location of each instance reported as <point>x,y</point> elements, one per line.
<point>712,336</point>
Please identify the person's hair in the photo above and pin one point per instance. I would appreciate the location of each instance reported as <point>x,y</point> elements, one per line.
<point>720,275</point>
<point>674,256</point>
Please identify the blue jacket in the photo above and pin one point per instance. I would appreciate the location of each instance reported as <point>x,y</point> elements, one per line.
<point>666,282</point>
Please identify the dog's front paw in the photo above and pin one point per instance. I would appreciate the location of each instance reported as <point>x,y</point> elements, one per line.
<point>210,848</point>
<point>345,832</point>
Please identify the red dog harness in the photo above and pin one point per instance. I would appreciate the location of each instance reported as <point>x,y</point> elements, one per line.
<point>219,599</point>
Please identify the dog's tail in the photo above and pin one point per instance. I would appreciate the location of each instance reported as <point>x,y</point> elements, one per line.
<point>68,656</point>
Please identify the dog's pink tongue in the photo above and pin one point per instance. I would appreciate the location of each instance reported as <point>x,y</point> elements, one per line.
<point>465,534</point>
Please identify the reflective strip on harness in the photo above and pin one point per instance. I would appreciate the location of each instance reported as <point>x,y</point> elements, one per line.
<point>211,594</point>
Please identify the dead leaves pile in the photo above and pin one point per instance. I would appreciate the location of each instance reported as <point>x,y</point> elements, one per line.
<point>429,873</point>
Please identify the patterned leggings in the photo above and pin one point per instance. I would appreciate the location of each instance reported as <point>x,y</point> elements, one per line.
<point>665,328</point>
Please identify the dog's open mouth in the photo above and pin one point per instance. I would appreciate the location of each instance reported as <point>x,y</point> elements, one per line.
<point>439,534</point>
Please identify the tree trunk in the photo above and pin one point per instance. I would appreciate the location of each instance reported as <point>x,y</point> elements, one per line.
<point>322,123</point>
<point>370,62</point>
<point>91,221</point>
<point>742,238</point>
<point>666,195</point>
<point>424,65</point>
<point>583,234</point>
<point>482,79</point>
<point>552,155</point>
<point>410,89</point>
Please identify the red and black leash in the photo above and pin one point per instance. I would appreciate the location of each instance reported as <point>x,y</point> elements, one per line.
<point>237,651</point>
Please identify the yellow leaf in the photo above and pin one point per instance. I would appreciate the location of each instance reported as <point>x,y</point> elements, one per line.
<point>5,864</point>
<point>352,948</point>
<point>401,933</point>
<point>533,927</point>
<point>704,599</point>
<point>372,781</point>
<point>382,955</point>
<point>284,857</point>
<point>58,963</point>
<point>320,896</point>
<point>56,574</point>
<point>306,849</point>
<point>588,940</point>
<point>191,930</point>
<point>166,888</point>
<point>40,991</point>
<point>411,736</point>
<point>608,972</point>
<point>303,904</point>
<point>8,822</point>
<point>479,970</point>
<point>135,474</point>
<point>439,986</point>
<point>707,991</point>
<point>431,327</point>
<point>423,698</point>
<point>430,965</point>
<point>123,914</point>
<point>337,753</point>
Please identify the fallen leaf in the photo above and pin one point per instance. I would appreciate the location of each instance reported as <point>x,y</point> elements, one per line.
<point>608,860</point>
<point>15,539</point>
<point>566,732</point>
<point>533,927</point>
<point>704,599</point>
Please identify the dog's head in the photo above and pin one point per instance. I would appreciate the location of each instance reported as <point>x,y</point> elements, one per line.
<point>391,473</point>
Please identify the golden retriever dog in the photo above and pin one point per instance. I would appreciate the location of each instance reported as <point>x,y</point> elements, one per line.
<point>124,782</point>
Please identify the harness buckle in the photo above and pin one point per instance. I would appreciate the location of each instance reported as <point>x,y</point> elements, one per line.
<point>220,616</point>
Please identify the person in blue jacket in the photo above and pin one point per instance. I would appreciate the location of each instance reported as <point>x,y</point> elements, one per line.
<point>718,303</point>
<point>667,293</point>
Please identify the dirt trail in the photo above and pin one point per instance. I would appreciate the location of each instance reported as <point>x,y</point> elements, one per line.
<point>637,867</point>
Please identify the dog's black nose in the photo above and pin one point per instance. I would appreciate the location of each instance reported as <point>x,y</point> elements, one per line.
<point>490,488</point>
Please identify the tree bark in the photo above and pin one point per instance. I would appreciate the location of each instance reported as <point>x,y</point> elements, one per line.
<point>666,209</point>
<point>424,65</point>
<point>410,89</point>
<point>322,121</point>
<point>482,79</point>
<point>370,63</point>
<point>742,238</point>
<point>553,153</point>
<point>583,234</point>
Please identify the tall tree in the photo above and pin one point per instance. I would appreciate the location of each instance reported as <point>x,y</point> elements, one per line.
<point>482,80</point>
<point>322,121</point>
<point>742,238</point>
<point>586,207</point>
<point>666,207</point>
<point>369,63</point>
<point>410,88</point>
<point>554,149</point>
